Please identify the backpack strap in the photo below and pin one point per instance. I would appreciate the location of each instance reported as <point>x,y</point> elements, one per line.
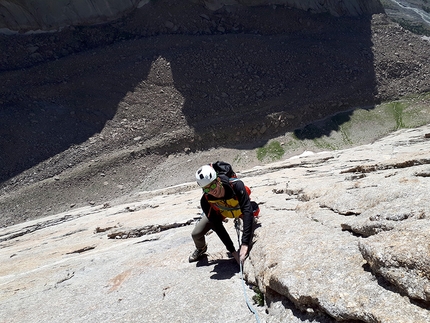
<point>234,179</point>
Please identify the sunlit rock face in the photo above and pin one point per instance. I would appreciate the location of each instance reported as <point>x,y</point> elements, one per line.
<point>32,15</point>
<point>342,236</point>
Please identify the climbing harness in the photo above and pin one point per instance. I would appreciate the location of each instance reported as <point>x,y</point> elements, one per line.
<point>251,308</point>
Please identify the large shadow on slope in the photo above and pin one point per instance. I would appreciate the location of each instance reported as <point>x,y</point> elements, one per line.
<point>59,105</point>
<point>287,69</point>
<point>245,77</point>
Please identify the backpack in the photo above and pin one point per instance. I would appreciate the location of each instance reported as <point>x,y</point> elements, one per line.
<point>223,168</point>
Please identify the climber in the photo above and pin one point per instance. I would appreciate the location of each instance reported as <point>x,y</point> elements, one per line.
<point>223,197</point>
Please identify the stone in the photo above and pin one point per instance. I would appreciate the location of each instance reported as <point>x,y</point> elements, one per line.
<point>402,257</point>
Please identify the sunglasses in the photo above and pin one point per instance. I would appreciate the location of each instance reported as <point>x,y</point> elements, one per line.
<point>210,187</point>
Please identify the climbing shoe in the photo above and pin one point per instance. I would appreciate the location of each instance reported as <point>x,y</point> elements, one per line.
<point>197,254</point>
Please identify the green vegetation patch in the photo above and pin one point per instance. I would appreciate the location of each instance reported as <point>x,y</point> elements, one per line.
<point>397,109</point>
<point>258,298</point>
<point>273,151</point>
<point>323,144</point>
<point>407,113</point>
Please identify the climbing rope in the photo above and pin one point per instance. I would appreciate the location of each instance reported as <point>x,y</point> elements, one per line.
<point>251,308</point>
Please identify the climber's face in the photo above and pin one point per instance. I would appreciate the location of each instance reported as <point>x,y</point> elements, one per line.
<point>215,189</point>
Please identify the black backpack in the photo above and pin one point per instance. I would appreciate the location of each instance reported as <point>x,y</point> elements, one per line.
<point>223,168</point>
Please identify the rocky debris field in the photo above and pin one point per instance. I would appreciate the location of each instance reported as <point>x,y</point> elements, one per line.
<point>90,115</point>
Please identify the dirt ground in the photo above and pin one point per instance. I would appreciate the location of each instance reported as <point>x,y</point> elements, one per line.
<point>92,115</point>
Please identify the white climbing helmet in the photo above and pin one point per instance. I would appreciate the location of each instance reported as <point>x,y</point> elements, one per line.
<point>205,175</point>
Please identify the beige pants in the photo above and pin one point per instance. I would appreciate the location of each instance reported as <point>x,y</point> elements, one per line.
<point>215,223</point>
